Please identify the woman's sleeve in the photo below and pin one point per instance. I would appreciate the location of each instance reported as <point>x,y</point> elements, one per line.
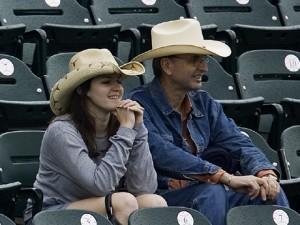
<point>69,155</point>
<point>141,177</point>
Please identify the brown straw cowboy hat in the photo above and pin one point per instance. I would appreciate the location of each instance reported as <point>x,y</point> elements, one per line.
<point>83,66</point>
<point>183,36</point>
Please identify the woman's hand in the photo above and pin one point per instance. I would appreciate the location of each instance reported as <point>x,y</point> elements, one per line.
<point>134,107</point>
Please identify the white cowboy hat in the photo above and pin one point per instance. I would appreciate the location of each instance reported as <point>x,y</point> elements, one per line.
<point>83,66</point>
<point>183,36</point>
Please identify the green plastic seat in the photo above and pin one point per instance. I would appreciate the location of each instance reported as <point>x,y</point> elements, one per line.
<point>167,216</point>
<point>69,216</point>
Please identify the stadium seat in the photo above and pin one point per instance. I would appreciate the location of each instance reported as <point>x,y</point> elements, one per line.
<point>8,194</point>
<point>11,40</point>
<point>291,186</point>
<point>274,75</point>
<point>256,25</point>
<point>167,216</point>
<point>69,216</point>
<point>19,162</point>
<point>58,65</point>
<point>133,13</point>
<point>66,26</point>
<point>290,140</point>
<point>221,86</point>
<point>226,13</point>
<point>262,215</point>
<point>275,157</point>
<point>23,102</point>
<point>290,11</point>
<point>4,220</point>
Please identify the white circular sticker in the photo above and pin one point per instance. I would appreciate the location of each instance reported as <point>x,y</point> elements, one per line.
<point>88,219</point>
<point>53,3</point>
<point>292,63</point>
<point>280,217</point>
<point>6,67</point>
<point>149,2</point>
<point>185,218</point>
<point>243,2</point>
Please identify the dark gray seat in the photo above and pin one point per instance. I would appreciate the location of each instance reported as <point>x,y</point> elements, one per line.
<point>23,101</point>
<point>69,216</point>
<point>262,215</point>
<point>19,163</point>
<point>167,216</point>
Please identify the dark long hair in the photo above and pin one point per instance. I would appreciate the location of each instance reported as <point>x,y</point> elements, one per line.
<point>84,121</point>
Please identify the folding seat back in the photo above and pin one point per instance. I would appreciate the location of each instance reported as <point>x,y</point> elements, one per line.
<point>167,216</point>
<point>290,11</point>
<point>225,13</point>
<point>58,65</point>
<point>23,101</point>
<point>19,163</point>
<point>273,74</point>
<point>133,13</point>
<point>68,26</point>
<point>262,215</point>
<point>19,159</point>
<point>275,157</point>
<point>69,216</point>
<point>35,13</point>
<point>11,39</point>
<point>4,220</point>
<point>256,24</point>
<point>290,144</point>
<point>218,82</point>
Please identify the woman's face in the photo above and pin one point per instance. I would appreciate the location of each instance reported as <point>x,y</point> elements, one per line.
<point>105,93</point>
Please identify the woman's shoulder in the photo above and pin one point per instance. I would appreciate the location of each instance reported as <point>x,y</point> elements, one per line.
<point>62,124</point>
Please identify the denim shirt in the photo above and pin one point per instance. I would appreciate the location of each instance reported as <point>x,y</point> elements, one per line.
<point>208,126</point>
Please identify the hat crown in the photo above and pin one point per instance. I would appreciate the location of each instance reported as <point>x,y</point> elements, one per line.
<point>90,57</point>
<point>177,32</point>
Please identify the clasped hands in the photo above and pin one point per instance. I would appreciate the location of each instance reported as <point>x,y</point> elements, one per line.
<point>129,113</point>
<point>267,186</point>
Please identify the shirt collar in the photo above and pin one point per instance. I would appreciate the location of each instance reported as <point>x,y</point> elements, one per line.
<point>161,101</point>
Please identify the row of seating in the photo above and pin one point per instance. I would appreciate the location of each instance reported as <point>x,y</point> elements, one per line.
<point>59,26</point>
<point>266,84</point>
<point>19,162</point>
<point>246,215</point>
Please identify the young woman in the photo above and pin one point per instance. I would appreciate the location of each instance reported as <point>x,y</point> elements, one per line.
<point>95,154</point>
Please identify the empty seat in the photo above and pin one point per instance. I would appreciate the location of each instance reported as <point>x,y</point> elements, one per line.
<point>226,13</point>
<point>19,162</point>
<point>67,26</point>
<point>290,140</point>
<point>133,13</point>
<point>256,24</point>
<point>275,157</point>
<point>4,220</point>
<point>290,11</point>
<point>262,215</point>
<point>274,75</point>
<point>23,102</point>
<point>69,216</point>
<point>167,216</point>
<point>290,145</point>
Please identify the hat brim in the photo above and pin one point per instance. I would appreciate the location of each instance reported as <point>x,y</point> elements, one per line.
<point>206,47</point>
<point>62,91</point>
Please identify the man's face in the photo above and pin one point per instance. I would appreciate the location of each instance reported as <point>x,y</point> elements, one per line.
<point>186,70</point>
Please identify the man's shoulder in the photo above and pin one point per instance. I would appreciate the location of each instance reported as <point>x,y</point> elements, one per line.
<point>138,93</point>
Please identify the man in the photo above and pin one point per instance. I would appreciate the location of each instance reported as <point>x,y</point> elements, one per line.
<point>186,126</point>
